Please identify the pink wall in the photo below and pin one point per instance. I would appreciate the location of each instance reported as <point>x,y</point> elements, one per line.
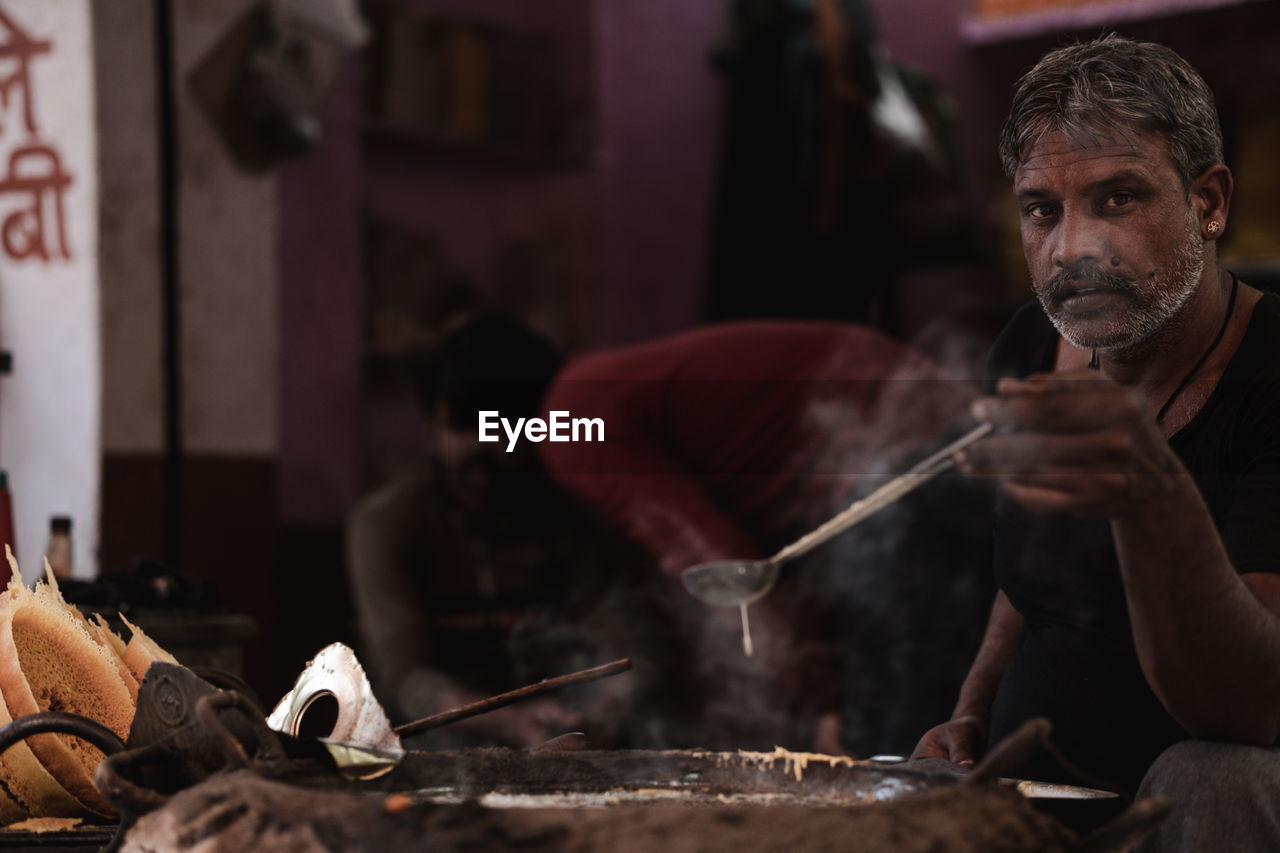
<point>630,222</point>
<point>633,221</point>
<point>477,200</point>
<point>924,34</point>
<point>319,280</point>
<point>658,110</point>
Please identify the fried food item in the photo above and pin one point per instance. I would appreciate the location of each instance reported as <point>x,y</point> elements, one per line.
<point>27,787</point>
<point>98,630</point>
<point>41,825</point>
<point>104,636</point>
<point>48,662</point>
<point>142,651</point>
<point>53,659</point>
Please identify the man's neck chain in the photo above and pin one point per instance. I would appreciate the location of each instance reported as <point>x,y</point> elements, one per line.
<point>1094,364</point>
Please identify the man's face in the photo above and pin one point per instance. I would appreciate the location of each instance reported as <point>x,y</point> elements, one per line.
<point>483,476</point>
<point>1110,236</point>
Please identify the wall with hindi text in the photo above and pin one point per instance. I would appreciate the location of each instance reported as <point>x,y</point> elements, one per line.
<point>49,404</point>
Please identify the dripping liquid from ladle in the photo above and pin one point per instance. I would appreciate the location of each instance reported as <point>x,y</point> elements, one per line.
<point>741,582</point>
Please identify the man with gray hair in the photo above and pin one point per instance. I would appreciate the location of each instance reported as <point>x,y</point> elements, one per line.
<point>1138,453</point>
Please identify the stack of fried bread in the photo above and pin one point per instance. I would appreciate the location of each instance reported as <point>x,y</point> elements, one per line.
<point>53,659</point>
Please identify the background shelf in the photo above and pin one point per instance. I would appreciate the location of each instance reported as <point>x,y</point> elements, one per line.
<point>979,29</point>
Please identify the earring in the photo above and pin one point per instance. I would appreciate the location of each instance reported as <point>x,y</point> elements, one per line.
<point>1214,228</point>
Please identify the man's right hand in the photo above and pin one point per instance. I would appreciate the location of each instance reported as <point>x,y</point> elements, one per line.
<point>961,741</point>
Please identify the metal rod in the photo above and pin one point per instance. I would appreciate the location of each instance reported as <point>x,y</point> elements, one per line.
<point>503,699</point>
<point>170,285</point>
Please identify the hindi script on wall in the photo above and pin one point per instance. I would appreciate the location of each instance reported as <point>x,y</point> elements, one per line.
<point>33,181</point>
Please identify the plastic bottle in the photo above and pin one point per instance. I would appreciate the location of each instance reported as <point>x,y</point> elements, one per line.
<point>59,551</point>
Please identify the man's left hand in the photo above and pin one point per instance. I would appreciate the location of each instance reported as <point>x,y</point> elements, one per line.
<point>1073,442</point>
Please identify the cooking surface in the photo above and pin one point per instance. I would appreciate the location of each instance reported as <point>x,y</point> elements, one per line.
<point>613,776</point>
<point>636,801</point>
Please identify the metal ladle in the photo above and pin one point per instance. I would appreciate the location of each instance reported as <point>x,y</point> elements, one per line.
<point>737,583</point>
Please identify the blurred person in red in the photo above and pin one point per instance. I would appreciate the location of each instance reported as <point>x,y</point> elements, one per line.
<point>730,441</point>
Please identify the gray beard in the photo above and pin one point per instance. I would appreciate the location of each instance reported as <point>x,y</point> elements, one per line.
<point>1158,302</point>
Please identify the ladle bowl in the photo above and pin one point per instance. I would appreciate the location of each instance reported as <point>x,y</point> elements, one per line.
<point>729,583</point>
<point>737,583</point>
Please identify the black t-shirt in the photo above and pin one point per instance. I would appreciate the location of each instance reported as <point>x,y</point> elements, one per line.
<point>1075,660</point>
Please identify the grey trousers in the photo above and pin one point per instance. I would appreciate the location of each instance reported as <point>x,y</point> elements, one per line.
<point>1224,797</point>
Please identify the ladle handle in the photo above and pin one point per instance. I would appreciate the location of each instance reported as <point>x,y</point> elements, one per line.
<point>923,471</point>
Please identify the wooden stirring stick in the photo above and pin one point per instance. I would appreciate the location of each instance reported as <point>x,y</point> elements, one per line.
<point>502,699</point>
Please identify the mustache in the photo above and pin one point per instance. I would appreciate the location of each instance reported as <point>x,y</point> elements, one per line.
<point>1088,274</point>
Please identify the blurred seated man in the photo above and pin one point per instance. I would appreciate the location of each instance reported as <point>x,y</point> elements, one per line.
<point>475,574</point>
<point>731,441</point>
